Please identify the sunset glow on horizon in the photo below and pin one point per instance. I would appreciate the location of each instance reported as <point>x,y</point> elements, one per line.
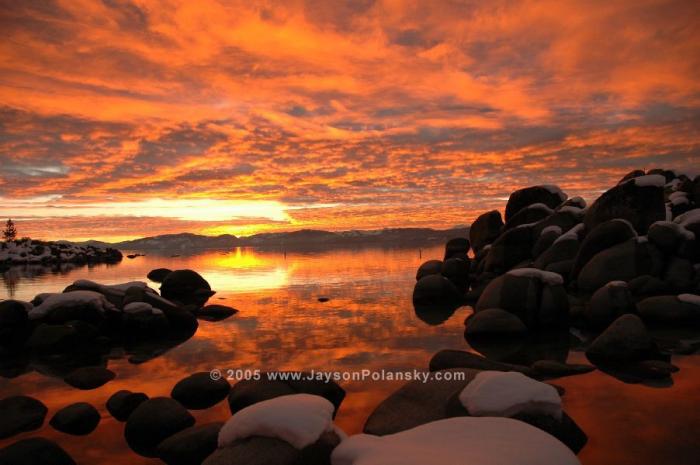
<point>121,119</point>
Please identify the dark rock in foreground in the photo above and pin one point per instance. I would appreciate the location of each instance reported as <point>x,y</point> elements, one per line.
<point>19,414</point>
<point>79,419</point>
<point>191,445</point>
<point>187,287</point>
<point>122,403</point>
<point>87,378</point>
<point>221,312</point>
<point>34,451</point>
<point>200,391</point>
<point>154,421</point>
<point>159,274</point>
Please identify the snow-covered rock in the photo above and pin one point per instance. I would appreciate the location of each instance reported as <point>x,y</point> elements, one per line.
<point>299,419</point>
<point>547,277</point>
<point>52,302</point>
<point>506,394</point>
<point>455,441</point>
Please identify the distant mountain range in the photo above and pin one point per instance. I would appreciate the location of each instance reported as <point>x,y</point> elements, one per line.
<point>301,238</point>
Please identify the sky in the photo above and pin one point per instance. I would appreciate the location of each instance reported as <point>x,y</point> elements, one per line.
<point>123,119</point>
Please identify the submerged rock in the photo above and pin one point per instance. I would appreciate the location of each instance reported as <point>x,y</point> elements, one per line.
<point>35,451</point>
<point>221,312</point>
<point>79,419</point>
<point>435,290</point>
<point>122,403</point>
<point>449,359</point>
<point>154,421</point>
<point>87,378</point>
<point>19,414</point>
<point>199,391</point>
<point>625,340</point>
<point>428,268</point>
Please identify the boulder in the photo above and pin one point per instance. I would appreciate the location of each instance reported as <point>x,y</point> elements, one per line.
<point>428,268</point>
<point>631,175</point>
<point>668,236</point>
<point>248,392</point>
<point>545,240</point>
<point>551,196</point>
<point>625,340</point>
<point>639,201</point>
<point>122,403</point>
<point>258,450</point>
<point>528,215</point>
<point>221,312</point>
<point>190,446</point>
<point>199,391</point>
<point>87,378</point>
<point>609,303</point>
<point>647,285</point>
<point>35,451</point>
<point>449,359</point>
<point>53,338</point>
<point>456,269</point>
<point>158,275</point>
<point>493,322</point>
<point>537,297</point>
<point>670,310</point>
<point>602,237</point>
<point>457,247</point>
<point>78,419</point>
<point>512,247</point>
<point>622,262</point>
<point>154,421</point>
<point>559,257</point>
<point>187,287</point>
<point>485,229</point>
<point>435,290</point>
<point>679,274</point>
<point>14,323</point>
<point>20,414</point>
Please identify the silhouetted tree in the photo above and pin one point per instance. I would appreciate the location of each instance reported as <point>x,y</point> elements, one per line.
<point>10,232</point>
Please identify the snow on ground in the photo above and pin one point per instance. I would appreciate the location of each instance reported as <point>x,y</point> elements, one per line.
<point>457,441</point>
<point>50,302</point>
<point>505,394</point>
<point>547,277</point>
<point>688,218</point>
<point>298,419</point>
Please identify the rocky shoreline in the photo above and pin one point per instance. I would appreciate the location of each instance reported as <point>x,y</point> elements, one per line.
<point>605,276</point>
<point>34,252</point>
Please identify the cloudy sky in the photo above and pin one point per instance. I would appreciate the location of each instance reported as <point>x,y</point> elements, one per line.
<point>124,118</point>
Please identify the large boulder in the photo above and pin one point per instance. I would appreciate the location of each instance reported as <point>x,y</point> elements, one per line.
<point>639,201</point>
<point>559,257</point>
<point>34,451</point>
<point>435,290</point>
<point>14,323</point>
<point>428,268</point>
<point>191,445</point>
<point>87,378</point>
<point>625,340</point>
<point>602,237</point>
<point>537,297</point>
<point>250,391</point>
<point>609,303</point>
<point>668,236</point>
<point>20,414</point>
<point>79,419</point>
<point>457,247</point>
<point>154,421</point>
<point>200,391</point>
<point>622,262</point>
<point>456,269</point>
<point>122,403</point>
<point>551,196</point>
<point>493,322</point>
<point>511,248</point>
<point>159,274</point>
<point>528,215</point>
<point>485,229</point>
<point>187,287</point>
<point>670,310</point>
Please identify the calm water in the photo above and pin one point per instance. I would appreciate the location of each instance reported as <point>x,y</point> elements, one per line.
<point>369,322</point>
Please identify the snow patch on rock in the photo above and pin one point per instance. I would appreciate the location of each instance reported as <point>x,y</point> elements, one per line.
<point>690,299</point>
<point>505,394</point>
<point>548,277</point>
<point>50,302</point>
<point>650,180</point>
<point>456,441</point>
<point>298,419</point>
<point>688,218</point>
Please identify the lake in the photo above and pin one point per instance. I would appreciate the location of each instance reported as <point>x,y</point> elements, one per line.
<point>368,323</point>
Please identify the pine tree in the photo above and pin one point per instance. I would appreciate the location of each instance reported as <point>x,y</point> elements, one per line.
<point>10,232</point>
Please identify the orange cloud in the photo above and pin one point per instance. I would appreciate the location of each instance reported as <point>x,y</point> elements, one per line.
<point>391,113</point>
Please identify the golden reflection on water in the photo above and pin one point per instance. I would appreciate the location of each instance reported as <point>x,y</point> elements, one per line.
<point>369,322</point>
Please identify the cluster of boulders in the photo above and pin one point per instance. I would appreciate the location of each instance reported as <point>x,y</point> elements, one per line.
<point>98,317</point>
<point>29,251</point>
<point>625,264</point>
